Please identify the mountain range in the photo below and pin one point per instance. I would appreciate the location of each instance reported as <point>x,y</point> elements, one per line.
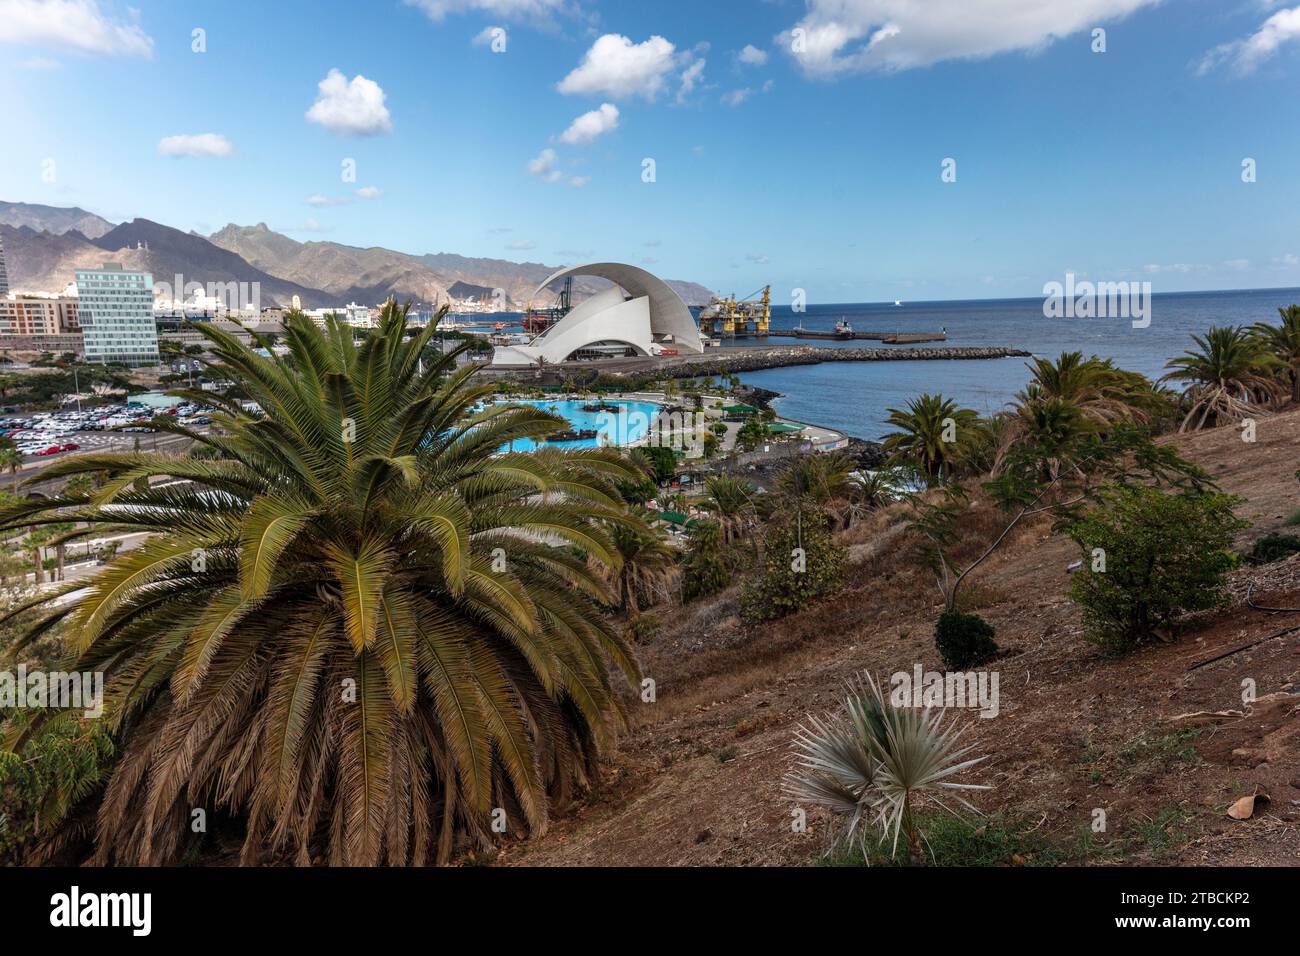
<point>45,245</point>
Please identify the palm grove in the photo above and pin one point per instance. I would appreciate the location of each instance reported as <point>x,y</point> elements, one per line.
<point>360,634</point>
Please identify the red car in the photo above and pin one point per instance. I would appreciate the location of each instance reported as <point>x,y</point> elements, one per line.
<point>52,450</point>
<point>70,446</point>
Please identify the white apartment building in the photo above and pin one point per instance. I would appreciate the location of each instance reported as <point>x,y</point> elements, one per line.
<point>116,314</point>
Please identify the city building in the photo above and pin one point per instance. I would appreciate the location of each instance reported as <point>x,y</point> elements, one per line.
<point>639,315</point>
<point>4,273</point>
<point>40,313</point>
<point>116,314</point>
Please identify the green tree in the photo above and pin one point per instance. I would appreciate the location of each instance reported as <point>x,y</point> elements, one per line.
<point>705,570</point>
<point>352,629</point>
<point>801,563</point>
<point>1150,557</point>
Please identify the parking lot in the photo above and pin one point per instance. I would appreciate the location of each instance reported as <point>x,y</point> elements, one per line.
<point>42,437</point>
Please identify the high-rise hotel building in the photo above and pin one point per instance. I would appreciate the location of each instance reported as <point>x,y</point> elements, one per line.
<point>116,315</point>
<point>4,274</point>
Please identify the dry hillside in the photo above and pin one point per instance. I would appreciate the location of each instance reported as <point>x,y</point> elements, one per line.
<point>696,780</point>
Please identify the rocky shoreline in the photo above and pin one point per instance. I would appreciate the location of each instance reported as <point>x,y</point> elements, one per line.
<point>757,359</point>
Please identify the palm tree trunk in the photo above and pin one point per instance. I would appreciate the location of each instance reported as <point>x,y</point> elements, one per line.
<point>37,574</point>
<point>59,552</point>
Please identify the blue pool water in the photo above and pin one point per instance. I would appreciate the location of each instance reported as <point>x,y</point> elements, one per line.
<point>629,425</point>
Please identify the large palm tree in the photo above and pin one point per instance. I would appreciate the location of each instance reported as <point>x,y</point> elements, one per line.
<point>930,435</point>
<point>647,568</point>
<point>1095,386</point>
<point>1283,342</point>
<point>731,503</point>
<point>1228,373</point>
<point>354,629</point>
<point>12,460</point>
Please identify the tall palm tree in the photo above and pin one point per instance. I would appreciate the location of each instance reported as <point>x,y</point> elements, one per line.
<point>1095,386</point>
<point>824,481</point>
<point>1283,342</point>
<point>354,628</point>
<point>647,568</point>
<point>12,459</point>
<point>731,503</point>
<point>1228,373</point>
<point>930,435</point>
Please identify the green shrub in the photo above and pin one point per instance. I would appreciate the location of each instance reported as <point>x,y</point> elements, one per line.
<point>802,563</point>
<point>1273,547</point>
<point>963,640</point>
<point>1163,555</point>
<point>62,764</point>
<point>1293,519</point>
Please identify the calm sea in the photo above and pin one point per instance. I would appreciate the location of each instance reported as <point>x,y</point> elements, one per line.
<point>854,397</point>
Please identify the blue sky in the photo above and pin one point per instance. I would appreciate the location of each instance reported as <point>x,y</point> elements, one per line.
<point>813,161</point>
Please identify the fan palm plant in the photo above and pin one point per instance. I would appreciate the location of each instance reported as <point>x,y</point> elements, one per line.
<point>877,763</point>
<point>1283,342</point>
<point>1227,373</point>
<point>352,628</point>
<point>930,435</point>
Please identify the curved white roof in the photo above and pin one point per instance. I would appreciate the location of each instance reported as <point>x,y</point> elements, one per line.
<point>668,313</point>
<point>651,316</point>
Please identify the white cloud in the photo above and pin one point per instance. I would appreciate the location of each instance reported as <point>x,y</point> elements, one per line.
<point>618,68</point>
<point>591,124</point>
<point>577,182</point>
<point>736,97</point>
<point>752,55</point>
<point>488,34</point>
<point>758,257</point>
<point>1288,261</point>
<point>370,192</point>
<point>311,225</point>
<point>690,76</point>
<point>847,36</point>
<point>652,243</point>
<point>73,25</point>
<point>520,245</point>
<point>537,11</point>
<point>320,200</point>
<point>1247,54</point>
<point>543,166</point>
<point>196,144</point>
<point>351,107</point>
<point>38,63</point>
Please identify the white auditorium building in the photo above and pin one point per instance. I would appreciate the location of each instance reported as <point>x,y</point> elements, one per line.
<point>639,315</point>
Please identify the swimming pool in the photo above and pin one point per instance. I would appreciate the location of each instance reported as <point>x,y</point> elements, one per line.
<point>625,427</point>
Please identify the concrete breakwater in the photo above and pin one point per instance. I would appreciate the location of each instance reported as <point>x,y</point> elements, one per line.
<point>757,358</point>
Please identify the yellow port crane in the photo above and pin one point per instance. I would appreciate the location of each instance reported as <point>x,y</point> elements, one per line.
<point>738,318</point>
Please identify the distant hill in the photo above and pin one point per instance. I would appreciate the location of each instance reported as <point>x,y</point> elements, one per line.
<point>54,219</point>
<point>48,245</point>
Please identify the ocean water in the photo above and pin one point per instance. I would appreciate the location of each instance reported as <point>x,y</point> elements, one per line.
<point>611,429</point>
<point>854,397</point>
